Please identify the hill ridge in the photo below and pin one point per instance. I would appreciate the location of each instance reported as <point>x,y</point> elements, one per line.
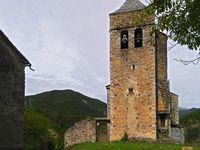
<point>66,106</point>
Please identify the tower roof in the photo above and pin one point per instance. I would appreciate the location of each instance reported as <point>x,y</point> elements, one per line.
<point>130,5</point>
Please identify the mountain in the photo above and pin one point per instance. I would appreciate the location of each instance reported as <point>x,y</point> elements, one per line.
<point>183,112</point>
<point>66,107</point>
<point>191,123</point>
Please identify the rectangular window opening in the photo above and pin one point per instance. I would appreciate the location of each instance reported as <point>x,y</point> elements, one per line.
<point>162,120</point>
<point>130,91</point>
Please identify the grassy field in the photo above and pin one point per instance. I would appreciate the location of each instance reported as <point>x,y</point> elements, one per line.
<point>128,146</point>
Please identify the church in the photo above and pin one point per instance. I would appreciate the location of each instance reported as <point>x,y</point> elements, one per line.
<point>140,103</point>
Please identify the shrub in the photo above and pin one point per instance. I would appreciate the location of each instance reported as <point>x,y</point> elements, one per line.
<point>125,138</point>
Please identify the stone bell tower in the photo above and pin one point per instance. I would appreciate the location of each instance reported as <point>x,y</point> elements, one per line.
<point>131,93</point>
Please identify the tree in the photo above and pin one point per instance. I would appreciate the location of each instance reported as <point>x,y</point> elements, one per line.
<point>180,19</point>
<point>39,130</point>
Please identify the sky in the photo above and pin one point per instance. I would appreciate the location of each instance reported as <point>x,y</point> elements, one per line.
<point>67,43</point>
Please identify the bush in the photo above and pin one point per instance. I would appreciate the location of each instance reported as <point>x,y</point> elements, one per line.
<point>125,138</point>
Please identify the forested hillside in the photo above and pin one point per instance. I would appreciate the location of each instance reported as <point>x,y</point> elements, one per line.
<point>66,107</point>
<point>191,124</point>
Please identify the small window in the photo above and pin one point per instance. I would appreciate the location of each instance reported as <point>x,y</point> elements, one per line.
<point>133,67</point>
<point>124,39</point>
<point>130,91</point>
<point>138,37</point>
<point>162,120</point>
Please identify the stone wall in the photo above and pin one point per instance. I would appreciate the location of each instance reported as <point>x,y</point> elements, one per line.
<point>11,97</point>
<point>178,134</point>
<point>174,108</point>
<point>163,93</point>
<point>132,68</point>
<point>128,20</point>
<point>162,82</point>
<point>81,132</point>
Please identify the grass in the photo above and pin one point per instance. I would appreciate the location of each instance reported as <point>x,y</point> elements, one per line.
<point>128,146</point>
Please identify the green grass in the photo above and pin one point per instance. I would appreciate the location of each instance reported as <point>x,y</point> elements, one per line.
<point>128,146</point>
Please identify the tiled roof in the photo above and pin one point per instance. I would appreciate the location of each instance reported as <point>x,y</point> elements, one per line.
<point>130,5</point>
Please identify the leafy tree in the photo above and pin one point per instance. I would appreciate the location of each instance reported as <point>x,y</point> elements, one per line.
<point>179,18</point>
<point>39,130</point>
<point>191,123</point>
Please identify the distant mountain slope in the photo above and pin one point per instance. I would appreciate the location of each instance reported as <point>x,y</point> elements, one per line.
<point>183,112</point>
<point>66,107</point>
<point>191,123</point>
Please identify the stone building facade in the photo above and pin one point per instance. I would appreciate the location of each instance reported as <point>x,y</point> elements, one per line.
<point>139,99</point>
<point>12,79</point>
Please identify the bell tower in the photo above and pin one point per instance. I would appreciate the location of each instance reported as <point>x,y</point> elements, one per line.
<point>131,93</point>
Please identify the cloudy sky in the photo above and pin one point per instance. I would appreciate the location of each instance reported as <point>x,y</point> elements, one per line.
<point>67,42</point>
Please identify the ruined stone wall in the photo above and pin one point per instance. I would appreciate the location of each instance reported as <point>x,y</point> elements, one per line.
<point>134,113</point>
<point>81,132</point>
<point>11,98</point>
<point>174,108</point>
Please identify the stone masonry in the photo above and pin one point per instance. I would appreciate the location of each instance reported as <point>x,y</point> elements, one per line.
<point>139,99</point>
<point>174,108</point>
<point>132,68</point>
<point>83,131</point>
<point>12,64</point>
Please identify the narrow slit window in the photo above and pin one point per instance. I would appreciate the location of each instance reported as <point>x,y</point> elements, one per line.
<point>124,39</point>
<point>138,37</point>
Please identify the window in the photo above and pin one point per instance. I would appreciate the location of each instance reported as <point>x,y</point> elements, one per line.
<point>162,120</point>
<point>130,91</point>
<point>138,37</point>
<point>124,39</point>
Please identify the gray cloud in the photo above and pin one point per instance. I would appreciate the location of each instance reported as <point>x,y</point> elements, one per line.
<point>67,42</point>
